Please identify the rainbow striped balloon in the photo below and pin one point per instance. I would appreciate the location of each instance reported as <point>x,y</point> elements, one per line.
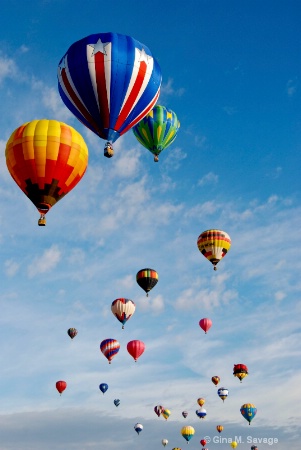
<point>109,347</point>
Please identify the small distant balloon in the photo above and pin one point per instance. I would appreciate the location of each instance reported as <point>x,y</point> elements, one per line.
<point>215,380</point>
<point>248,411</point>
<point>214,245</point>
<point>223,393</point>
<point>219,428</point>
<point>103,387</point>
<point>110,348</point>
<point>201,401</point>
<point>138,428</point>
<point>166,413</point>
<point>164,442</point>
<point>187,432</point>
<point>147,279</point>
<point>61,386</point>
<point>72,332</point>
<point>233,444</point>
<point>205,324</point>
<point>117,402</point>
<point>184,414</point>
<point>203,442</point>
<point>158,410</point>
<point>240,371</point>
<point>135,348</point>
<point>123,309</point>
<point>201,413</point>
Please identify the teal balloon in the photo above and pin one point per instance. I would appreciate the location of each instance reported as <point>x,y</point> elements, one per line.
<point>248,411</point>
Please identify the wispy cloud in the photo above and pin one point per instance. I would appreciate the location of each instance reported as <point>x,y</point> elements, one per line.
<point>44,262</point>
<point>209,178</point>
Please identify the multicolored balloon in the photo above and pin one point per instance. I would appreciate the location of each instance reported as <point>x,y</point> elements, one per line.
<point>123,309</point>
<point>61,386</point>
<point>223,393</point>
<point>138,428</point>
<point>248,410</point>
<point>135,348</point>
<point>166,413</point>
<point>110,348</point>
<point>116,402</point>
<point>158,410</point>
<point>103,387</point>
<point>215,380</point>
<point>187,432</point>
<point>240,371</point>
<point>214,245</point>
<point>201,413</point>
<point>219,428</point>
<point>205,324</point>
<point>46,159</point>
<point>184,414</point>
<point>157,130</point>
<point>147,279</point>
<point>109,81</point>
<point>72,332</point>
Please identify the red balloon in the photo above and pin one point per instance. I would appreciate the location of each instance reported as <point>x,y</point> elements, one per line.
<point>61,386</point>
<point>203,442</point>
<point>205,324</point>
<point>135,348</point>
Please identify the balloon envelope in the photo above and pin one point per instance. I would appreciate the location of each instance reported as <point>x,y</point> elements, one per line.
<point>61,386</point>
<point>46,159</point>
<point>223,393</point>
<point>109,81</point>
<point>117,402</point>
<point>205,324</point>
<point>184,414</point>
<point>214,245</point>
<point>215,380</point>
<point>248,411</point>
<point>138,427</point>
<point>72,332</point>
<point>240,371</point>
<point>110,348</point>
<point>166,413</point>
<point>103,387</point>
<point>187,432</point>
<point>157,130</point>
<point>147,279</point>
<point>135,348</point>
<point>164,442</point>
<point>219,428</point>
<point>123,309</point>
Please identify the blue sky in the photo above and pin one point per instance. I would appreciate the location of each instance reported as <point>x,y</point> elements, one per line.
<point>231,72</point>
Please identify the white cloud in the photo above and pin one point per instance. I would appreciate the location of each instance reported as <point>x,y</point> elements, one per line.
<point>11,267</point>
<point>209,178</point>
<point>8,68</point>
<point>44,262</point>
<point>168,89</point>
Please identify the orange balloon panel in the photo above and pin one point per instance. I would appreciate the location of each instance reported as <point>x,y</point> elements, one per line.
<point>47,159</point>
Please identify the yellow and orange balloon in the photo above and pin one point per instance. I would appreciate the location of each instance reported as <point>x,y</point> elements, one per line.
<point>47,159</point>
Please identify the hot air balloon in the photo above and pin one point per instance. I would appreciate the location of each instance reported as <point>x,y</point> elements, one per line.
<point>165,413</point>
<point>135,348</point>
<point>158,410</point>
<point>219,428</point>
<point>203,442</point>
<point>157,130</point>
<point>103,387</point>
<point>61,386</point>
<point>254,447</point>
<point>205,324</point>
<point>46,159</point>
<point>201,401</point>
<point>164,442</point>
<point>248,410</point>
<point>223,393</point>
<point>72,332</point>
<point>215,380</point>
<point>109,81</point>
<point>240,371</point>
<point>176,448</point>
<point>187,432</point>
<point>214,245</point>
<point>138,428</point>
<point>123,309</point>
<point>109,347</point>
<point>147,279</point>
<point>116,402</point>
<point>201,413</point>
<point>234,444</point>
<point>184,414</point>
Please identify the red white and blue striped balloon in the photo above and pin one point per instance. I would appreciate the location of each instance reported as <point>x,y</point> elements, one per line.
<point>109,81</point>
<point>109,347</point>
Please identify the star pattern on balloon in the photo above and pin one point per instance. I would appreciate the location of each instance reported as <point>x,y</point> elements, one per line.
<point>99,47</point>
<point>144,56</point>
